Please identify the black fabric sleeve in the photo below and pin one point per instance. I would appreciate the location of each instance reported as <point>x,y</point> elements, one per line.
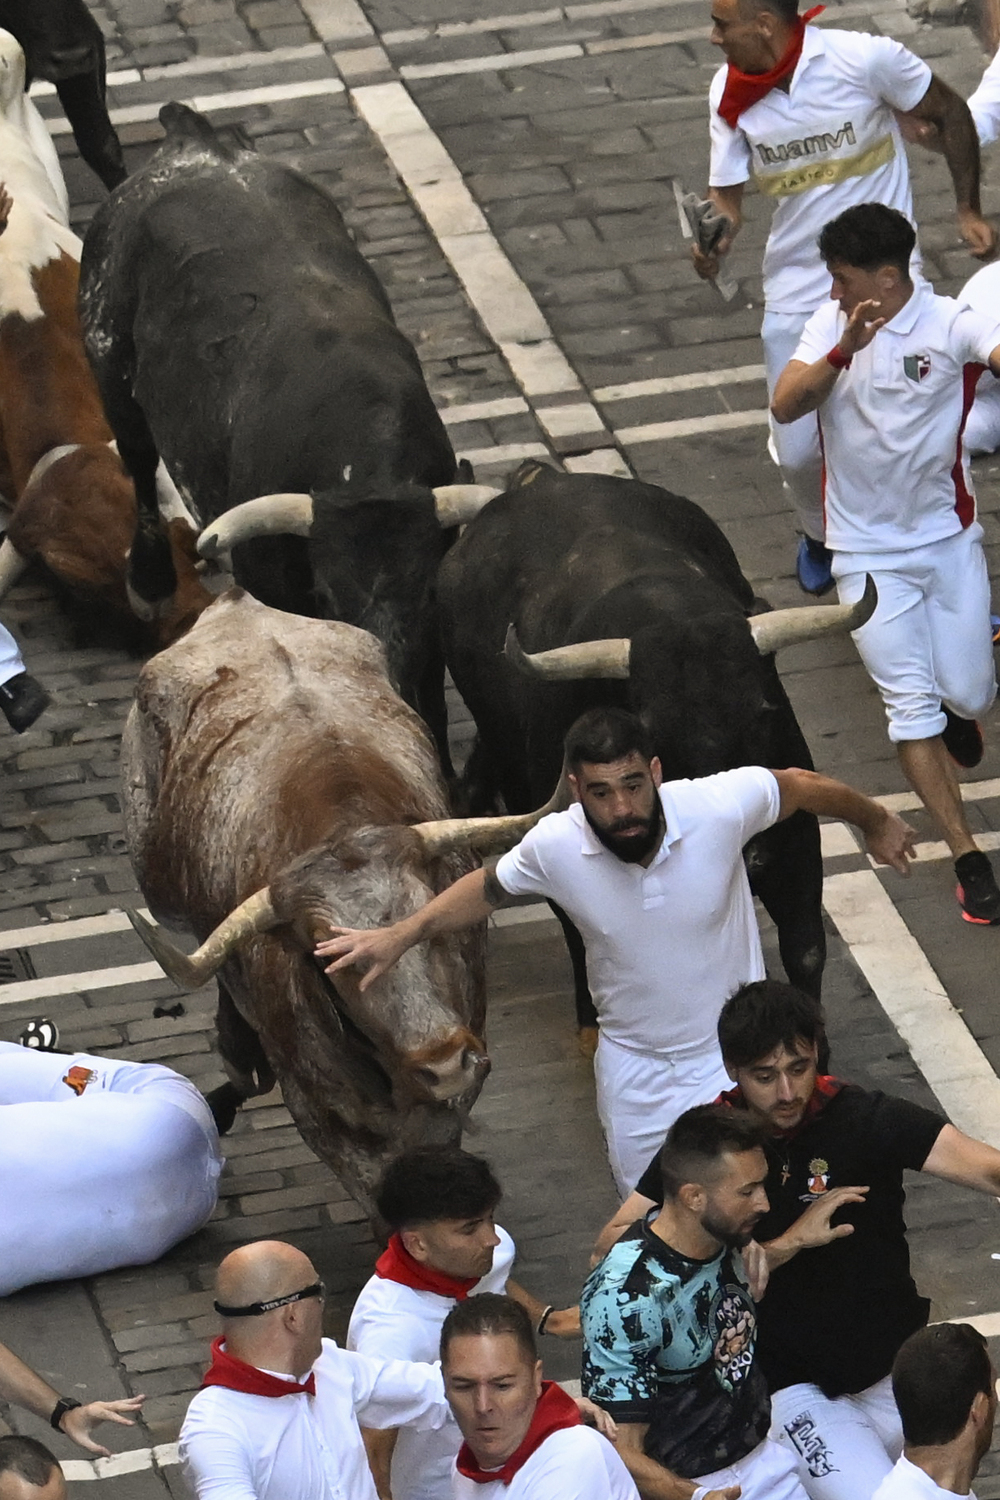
<point>650,1184</point>
<point>902,1134</point>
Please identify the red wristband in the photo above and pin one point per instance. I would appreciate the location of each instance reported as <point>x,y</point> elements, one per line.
<point>838,359</point>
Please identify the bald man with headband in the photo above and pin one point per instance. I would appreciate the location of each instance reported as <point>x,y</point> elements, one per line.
<point>278,1412</point>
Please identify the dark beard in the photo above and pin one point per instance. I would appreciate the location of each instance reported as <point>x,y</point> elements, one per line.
<point>733,1239</point>
<point>631,851</point>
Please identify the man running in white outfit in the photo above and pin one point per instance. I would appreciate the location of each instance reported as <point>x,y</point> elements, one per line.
<point>808,112</point>
<point>439,1202</point>
<point>945,1388</point>
<point>891,370</point>
<point>652,875</point>
<point>523,1436</point>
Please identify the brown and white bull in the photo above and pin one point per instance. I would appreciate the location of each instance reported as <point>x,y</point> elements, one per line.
<point>275,784</point>
<point>74,504</point>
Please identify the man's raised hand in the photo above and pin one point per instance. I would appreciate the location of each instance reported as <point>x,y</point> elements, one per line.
<point>372,951</point>
<point>79,1420</point>
<point>862,326</point>
<point>893,843</point>
<point>813,1229</point>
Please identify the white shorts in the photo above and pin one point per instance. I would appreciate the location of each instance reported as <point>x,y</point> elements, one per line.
<point>844,1445</point>
<point>769,1472</point>
<point>794,446</point>
<point>929,641</point>
<point>640,1095</point>
<point>103,1164</point>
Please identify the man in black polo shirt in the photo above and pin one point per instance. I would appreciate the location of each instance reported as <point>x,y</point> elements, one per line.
<point>840,1300</point>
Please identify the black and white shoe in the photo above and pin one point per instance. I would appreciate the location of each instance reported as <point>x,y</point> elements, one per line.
<point>978,893</point>
<point>22,700</point>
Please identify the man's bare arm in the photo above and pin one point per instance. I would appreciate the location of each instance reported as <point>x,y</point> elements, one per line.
<point>888,839</point>
<point>652,1480</point>
<point>380,1445</point>
<point>959,143</point>
<point>636,1206</point>
<point>22,1387</point>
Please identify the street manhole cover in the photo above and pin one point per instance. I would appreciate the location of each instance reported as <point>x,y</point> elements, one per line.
<point>16,964</point>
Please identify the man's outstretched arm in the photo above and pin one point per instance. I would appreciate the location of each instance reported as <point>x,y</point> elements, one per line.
<point>471,899</point>
<point>956,133</point>
<point>888,839</point>
<point>22,1387</point>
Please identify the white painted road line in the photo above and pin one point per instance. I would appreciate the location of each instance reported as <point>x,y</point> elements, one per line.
<point>508,453</point>
<point>972,791</point>
<point>77,984</point>
<point>667,385</point>
<point>484,411</point>
<point>661,432</point>
<point>496,62</point>
<point>163,1456</point>
<point>64,932</point>
<point>914,999</point>
<point>272,93</point>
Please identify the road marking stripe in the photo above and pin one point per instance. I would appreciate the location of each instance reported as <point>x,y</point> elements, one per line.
<point>915,1000</point>
<point>661,432</point>
<point>271,93</point>
<point>972,791</point>
<point>667,385</point>
<point>483,411</point>
<point>497,62</point>
<point>64,932</point>
<point>75,984</point>
<point>507,453</point>
<point>236,63</point>
<point>163,1456</point>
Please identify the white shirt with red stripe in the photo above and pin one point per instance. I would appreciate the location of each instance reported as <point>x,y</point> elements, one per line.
<point>575,1463</point>
<point>393,1321</point>
<point>896,475</point>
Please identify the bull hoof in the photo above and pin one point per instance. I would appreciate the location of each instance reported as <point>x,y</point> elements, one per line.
<point>586,1040</point>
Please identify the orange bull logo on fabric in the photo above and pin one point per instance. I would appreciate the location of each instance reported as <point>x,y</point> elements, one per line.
<point>77,1079</point>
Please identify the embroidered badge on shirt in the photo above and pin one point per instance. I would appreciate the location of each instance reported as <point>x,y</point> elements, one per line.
<point>77,1079</point>
<point>818,1180</point>
<point>917,366</point>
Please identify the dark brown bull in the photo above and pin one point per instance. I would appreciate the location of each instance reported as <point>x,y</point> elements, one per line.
<point>272,780</point>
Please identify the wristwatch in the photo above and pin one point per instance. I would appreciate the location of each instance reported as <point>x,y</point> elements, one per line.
<point>62,1406</point>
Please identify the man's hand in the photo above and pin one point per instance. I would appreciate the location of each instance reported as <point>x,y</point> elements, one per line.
<point>708,266</point>
<point>76,1424</point>
<point>733,1492</point>
<point>565,1323</point>
<point>979,235</point>
<point>862,326</point>
<point>372,951</point>
<point>596,1416</point>
<point>892,843</point>
<point>756,1266</point>
<point>812,1230</point>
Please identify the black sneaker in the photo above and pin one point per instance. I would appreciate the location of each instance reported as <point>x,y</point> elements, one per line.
<point>978,893</point>
<point>963,740</point>
<point>22,699</point>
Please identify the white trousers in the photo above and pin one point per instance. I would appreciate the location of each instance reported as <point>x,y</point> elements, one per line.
<point>640,1095</point>
<point>929,641</point>
<point>11,660</point>
<point>98,1178</point>
<point>795,447</point>
<point>982,429</point>
<point>844,1446</point>
<point>769,1472</point>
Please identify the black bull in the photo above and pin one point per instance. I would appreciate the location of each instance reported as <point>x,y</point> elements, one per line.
<point>576,558</point>
<point>236,332</point>
<point>63,44</point>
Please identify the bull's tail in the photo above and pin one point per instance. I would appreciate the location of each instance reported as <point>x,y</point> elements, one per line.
<point>186,127</point>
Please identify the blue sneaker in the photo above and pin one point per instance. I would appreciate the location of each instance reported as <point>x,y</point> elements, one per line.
<point>995,629</point>
<point>812,566</point>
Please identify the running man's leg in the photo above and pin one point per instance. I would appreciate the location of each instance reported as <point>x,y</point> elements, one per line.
<point>795,447</point>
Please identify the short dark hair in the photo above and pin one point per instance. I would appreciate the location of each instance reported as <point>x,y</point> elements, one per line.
<point>489,1313</point>
<point>936,1376</point>
<point>27,1458</point>
<point>602,735</point>
<point>699,1138</point>
<point>766,1015</point>
<point>867,236</point>
<point>431,1183</point>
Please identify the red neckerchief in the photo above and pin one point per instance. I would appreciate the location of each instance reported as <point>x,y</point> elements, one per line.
<point>236,1375</point>
<point>397,1264</point>
<point>554,1410</point>
<point>825,1089</point>
<point>744,89</point>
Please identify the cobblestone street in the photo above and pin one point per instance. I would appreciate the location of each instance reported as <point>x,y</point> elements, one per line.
<point>511,176</point>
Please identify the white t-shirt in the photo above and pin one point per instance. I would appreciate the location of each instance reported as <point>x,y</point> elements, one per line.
<point>907,1482</point>
<point>896,475</point>
<point>984,104</point>
<point>240,1447</point>
<point>828,143</point>
<point>575,1463</point>
<point>666,946</point>
<point>399,1322</point>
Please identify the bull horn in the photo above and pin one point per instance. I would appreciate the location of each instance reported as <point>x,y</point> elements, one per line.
<point>12,565</point>
<point>790,627</point>
<point>268,515</point>
<point>487,835</point>
<point>608,658</point>
<point>191,971</point>
<point>457,503</point>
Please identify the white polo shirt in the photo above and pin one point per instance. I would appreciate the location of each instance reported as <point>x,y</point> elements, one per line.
<point>984,104</point>
<point>666,946</point>
<point>235,1446</point>
<point>907,1482</point>
<point>400,1322</point>
<point>896,474</point>
<point>831,141</point>
<point>575,1463</point>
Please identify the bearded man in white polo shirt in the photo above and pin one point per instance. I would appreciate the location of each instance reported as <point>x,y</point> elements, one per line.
<point>523,1437</point>
<point>891,369</point>
<point>652,875</point>
<point>809,113</point>
<point>278,1412</point>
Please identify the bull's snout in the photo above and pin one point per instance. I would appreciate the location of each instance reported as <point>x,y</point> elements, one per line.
<point>449,1077</point>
